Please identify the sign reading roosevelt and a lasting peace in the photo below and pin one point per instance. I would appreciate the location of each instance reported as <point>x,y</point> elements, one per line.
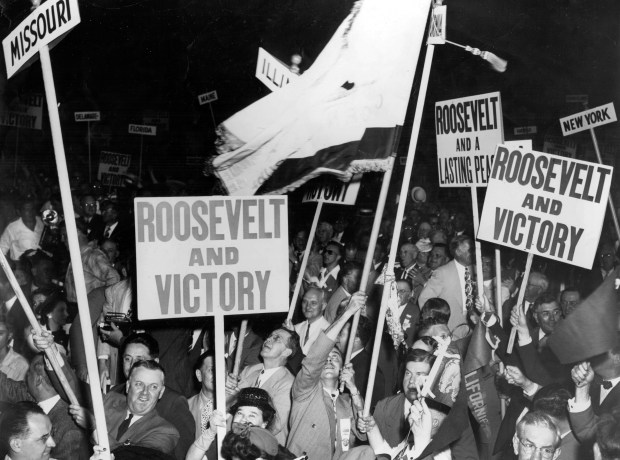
<point>467,130</point>
<point>548,205</point>
<point>205,256</point>
<point>48,22</point>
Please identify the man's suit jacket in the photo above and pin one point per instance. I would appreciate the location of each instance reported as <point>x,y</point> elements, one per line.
<point>409,321</point>
<point>446,284</point>
<point>331,284</point>
<point>250,353</point>
<point>313,428</point>
<point>361,367</point>
<point>584,423</point>
<point>123,234</point>
<point>71,440</point>
<point>94,228</point>
<point>173,408</point>
<point>18,321</point>
<point>542,367</point>
<point>279,388</point>
<point>331,310</point>
<point>149,431</point>
<point>174,340</point>
<point>455,430</point>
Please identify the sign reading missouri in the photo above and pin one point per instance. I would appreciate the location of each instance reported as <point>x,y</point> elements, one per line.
<point>45,24</point>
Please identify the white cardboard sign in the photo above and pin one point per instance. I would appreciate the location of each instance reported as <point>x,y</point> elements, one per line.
<point>27,114</point>
<point>273,73</point>
<point>545,204</point>
<point>203,256</point>
<point>206,98</point>
<point>588,119</point>
<point>113,168</point>
<point>87,116</point>
<point>144,130</point>
<point>468,130</point>
<point>329,189</point>
<point>45,24</point>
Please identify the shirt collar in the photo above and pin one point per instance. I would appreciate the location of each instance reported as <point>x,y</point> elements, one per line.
<point>48,404</point>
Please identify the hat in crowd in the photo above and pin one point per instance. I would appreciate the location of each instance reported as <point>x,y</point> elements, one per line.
<point>253,397</point>
<point>259,437</point>
<point>424,245</point>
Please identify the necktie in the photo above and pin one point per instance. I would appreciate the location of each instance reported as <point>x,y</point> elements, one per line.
<point>307,336</point>
<point>205,415</point>
<point>606,384</point>
<point>107,232</point>
<point>469,291</point>
<point>123,427</point>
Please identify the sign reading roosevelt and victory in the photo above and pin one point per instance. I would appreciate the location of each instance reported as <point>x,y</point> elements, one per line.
<point>468,130</point>
<point>545,204</point>
<point>202,256</point>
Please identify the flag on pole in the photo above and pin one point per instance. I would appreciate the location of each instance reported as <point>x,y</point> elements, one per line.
<point>592,328</point>
<point>479,385</point>
<point>340,117</point>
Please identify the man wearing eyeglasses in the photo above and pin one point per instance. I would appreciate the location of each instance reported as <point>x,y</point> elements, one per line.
<point>604,266</point>
<point>536,437</point>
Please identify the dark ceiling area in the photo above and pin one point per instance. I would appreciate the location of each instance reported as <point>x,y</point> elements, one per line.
<point>129,57</point>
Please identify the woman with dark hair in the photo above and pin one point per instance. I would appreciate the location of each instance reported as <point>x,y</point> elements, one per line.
<point>247,442</point>
<point>54,315</point>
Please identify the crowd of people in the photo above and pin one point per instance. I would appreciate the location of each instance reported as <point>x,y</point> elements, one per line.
<point>295,394</point>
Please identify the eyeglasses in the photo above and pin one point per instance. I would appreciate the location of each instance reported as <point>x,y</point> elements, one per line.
<point>329,252</point>
<point>529,448</point>
<point>548,314</point>
<point>602,256</point>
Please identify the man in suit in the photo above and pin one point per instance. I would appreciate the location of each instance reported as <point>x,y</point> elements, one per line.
<point>172,406</point>
<point>328,276</point>
<point>11,308</point>
<point>552,401</point>
<point>409,312</point>
<point>389,426</point>
<point>597,392</point>
<point>71,440</point>
<point>116,229</point>
<point>454,282</point>
<point>540,363</point>
<point>92,221</point>
<point>272,376</point>
<point>604,266</point>
<point>349,280</point>
<point>26,432</point>
<point>360,358</point>
<point>313,305</point>
<point>201,405</point>
<point>570,297</point>
<point>537,285</point>
<point>439,256</point>
<point>250,351</point>
<point>536,437</point>
<point>322,419</point>
<point>133,419</point>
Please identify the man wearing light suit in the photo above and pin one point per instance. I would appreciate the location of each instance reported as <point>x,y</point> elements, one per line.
<point>133,419</point>
<point>448,282</point>
<point>272,376</point>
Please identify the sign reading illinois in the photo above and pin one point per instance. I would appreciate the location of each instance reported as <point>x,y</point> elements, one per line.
<point>467,130</point>
<point>549,205</point>
<point>202,256</point>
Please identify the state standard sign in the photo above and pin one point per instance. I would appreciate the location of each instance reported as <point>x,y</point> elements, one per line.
<point>204,256</point>
<point>45,24</point>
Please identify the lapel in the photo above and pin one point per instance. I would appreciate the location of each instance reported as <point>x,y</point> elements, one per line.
<point>137,426</point>
<point>611,401</point>
<point>595,396</point>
